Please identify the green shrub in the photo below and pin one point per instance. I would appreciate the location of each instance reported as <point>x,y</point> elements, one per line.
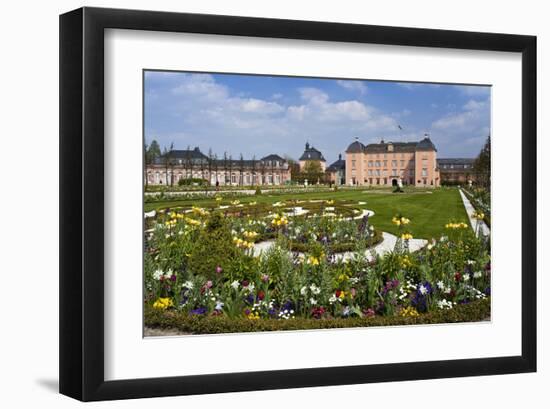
<point>192,181</point>
<point>473,312</point>
<point>258,191</point>
<point>214,247</point>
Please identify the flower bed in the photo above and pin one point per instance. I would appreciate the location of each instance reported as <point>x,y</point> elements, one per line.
<point>200,324</point>
<point>200,262</point>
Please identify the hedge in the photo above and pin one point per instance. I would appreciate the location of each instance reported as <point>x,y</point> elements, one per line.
<point>168,319</point>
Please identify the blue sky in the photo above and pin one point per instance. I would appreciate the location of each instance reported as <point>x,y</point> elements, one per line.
<point>259,115</point>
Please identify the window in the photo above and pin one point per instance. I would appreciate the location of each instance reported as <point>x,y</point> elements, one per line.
<point>370,163</point>
<point>385,163</point>
<point>402,163</point>
<point>394,172</point>
<point>424,172</point>
<point>370,172</point>
<point>394,163</point>
<point>411,172</point>
<point>353,163</point>
<point>424,162</point>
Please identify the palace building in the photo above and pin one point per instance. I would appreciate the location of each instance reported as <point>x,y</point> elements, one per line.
<point>176,165</point>
<point>312,155</point>
<point>392,164</point>
<point>336,172</point>
<point>456,170</point>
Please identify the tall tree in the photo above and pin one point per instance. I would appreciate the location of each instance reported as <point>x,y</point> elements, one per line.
<point>313,171</point>
<point>482,165</point>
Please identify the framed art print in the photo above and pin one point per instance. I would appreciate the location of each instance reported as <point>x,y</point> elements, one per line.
<point>277,204</point>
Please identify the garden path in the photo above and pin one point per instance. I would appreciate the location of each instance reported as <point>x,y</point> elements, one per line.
<point>386,245</point>
<point>485,231</point>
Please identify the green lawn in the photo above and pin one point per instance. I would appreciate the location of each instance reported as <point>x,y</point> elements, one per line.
<point>428,210</point>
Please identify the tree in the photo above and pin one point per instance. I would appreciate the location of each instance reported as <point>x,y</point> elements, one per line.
<point>152,152</point>
<point>313,171</point>
<point>241,170</point>
<point>482,165</point>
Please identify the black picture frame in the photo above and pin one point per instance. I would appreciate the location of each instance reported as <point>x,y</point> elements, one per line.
<point>82,200</point>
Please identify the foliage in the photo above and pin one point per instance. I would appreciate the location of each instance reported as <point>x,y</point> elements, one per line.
<point>482,165</point>
<point>203,262</point>
<point>193,181</point>
<point>214,247</point>
<point>473,312</point>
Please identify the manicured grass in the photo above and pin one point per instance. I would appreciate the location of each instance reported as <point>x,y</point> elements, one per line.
<point>428,210</point>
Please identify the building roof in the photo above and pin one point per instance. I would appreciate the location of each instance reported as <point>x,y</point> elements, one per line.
<point>187,154</point>
<point>424,145</point>
<point>340,164</point>
<point>455,161</point>
<point>382,147</point>
<point>310,153</point>
<point>355,147</point>
<point>273,156</point>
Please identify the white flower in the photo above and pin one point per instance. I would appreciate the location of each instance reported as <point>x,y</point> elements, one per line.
<point>445,305</point>
<point>158,274</point>
<point>250,287</point>
<point>303,290</point>
<point>219,305</point>
<point>470,262</point>
<point>478,274</point>
<point>312,301</point>
<point>332,299</point>
<point>314,289</point>
<point>235,284</point>
<point>466,277</point>
<point>440,285</point>
<point>430,246</point>
<point>423,290</point>
<point>188,284</point>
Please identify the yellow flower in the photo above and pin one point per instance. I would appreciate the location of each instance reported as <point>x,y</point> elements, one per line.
<point>406,261</point>
<point>235,202</point>
<point>253,203</point>
<point>314,261</point>
<point>250,234</point>
<point>330,202</point>
<point>342,295</point>
<point>478,215</point>
<point>406,236</point>
<point>199,211</point>
<point>279,221</point>
<point>163,303</point>
<point>455,226</point>
<point>218,199</point>
<point>343,277</point>
<point>253,316</point>
<point>409,312</point>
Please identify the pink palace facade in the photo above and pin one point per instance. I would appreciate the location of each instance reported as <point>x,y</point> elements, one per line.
<point>392,163</point>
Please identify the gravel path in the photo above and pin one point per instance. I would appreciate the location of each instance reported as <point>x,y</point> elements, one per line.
<point>485,231</point>
<point>386,245</point>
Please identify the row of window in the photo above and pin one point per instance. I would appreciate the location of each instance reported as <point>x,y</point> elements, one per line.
<point>457,166</point>
<point>394,172</point>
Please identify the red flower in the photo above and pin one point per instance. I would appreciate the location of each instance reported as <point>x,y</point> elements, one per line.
<point>245,283</point>
<point>458,276</point>
<point>338,292</point>
<point>261,295</point>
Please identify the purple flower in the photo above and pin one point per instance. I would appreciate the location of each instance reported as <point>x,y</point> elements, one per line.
<point>173,277</point>
<point>219,270</point>
<point>198,311</point>
<point>265,278</point>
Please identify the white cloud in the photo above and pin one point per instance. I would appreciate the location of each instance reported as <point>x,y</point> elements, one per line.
<point>460,130</point>
<point>358,86</point>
